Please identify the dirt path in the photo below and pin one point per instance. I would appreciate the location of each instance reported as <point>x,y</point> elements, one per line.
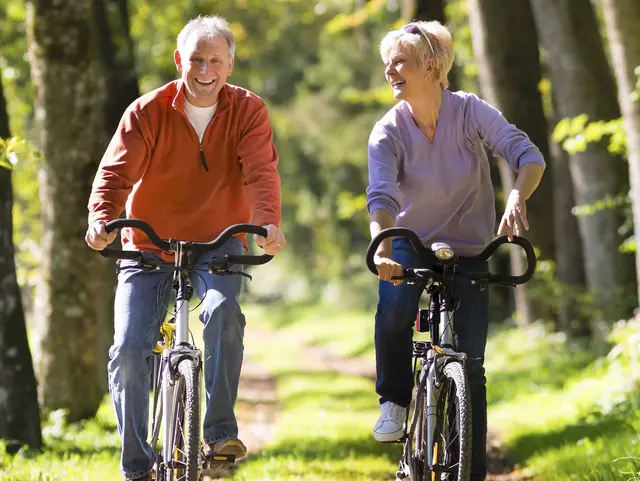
<point>257,407</point>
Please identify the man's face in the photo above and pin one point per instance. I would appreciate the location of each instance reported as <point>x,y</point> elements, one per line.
<point>205,66</point>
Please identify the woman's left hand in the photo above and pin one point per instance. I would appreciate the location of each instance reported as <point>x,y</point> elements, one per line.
<point>515,216</point>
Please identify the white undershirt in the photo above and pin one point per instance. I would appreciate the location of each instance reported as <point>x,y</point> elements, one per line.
<point>199,116</point>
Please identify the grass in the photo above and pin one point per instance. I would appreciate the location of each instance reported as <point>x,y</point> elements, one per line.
<point>562,413</point>
<point>87,451</point>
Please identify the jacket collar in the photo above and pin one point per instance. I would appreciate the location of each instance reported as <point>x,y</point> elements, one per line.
<point>224,100</point>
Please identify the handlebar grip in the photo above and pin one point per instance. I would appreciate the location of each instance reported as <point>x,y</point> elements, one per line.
<point>120,254</point>
<point>391,232</point>
<point>531,261</point>
<point>226,235</point>
<point>250,260</point>
<point>143,226</point>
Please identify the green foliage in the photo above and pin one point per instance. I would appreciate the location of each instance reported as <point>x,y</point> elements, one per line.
<point>577,133</point>
<point>14,67</point>
<point>27,228</point>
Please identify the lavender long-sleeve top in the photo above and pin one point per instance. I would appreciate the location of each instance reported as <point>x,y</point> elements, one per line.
<point>442,189</point>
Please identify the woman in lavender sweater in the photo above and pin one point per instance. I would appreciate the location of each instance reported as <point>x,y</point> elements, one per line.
<point>428,171</point>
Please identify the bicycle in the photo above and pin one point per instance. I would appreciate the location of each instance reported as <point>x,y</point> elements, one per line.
<point>177,363</point>
<point>437,440</point>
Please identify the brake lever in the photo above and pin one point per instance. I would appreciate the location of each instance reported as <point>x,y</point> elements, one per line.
<point>224,269</point>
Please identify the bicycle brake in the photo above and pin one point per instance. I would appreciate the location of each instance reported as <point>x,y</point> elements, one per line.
<point>225,270</point>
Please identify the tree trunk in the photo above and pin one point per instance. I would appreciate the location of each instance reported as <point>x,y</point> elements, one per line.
<point>19,410</point>
<point>506,48</point>
<point>582,83</point>
<point>434,10</point>
<point>622,20</point>
<point>569,257</point>
<point>118,65</point>
<point>72,307</point>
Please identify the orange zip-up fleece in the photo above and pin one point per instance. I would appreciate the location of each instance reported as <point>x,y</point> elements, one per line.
<point>156,167</point>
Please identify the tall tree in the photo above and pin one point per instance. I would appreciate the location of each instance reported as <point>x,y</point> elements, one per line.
<point>622,21</point>
<point>118,60</point>
<point>582,83</point>
<point>19,410</point>
<point>568,244</point>
<point>506,47</point>
<point>71,306</point>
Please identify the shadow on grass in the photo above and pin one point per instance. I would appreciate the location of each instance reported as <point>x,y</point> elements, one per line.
<point>327,451</point>
<point>62,448</point>
<point>352,400</point>
<point>553,373</point>
<point>528,445</point>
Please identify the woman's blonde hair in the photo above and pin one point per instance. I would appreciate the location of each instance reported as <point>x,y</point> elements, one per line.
<point>424,40</point>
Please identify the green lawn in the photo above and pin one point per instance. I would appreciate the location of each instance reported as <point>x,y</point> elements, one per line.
<point>563,414</point>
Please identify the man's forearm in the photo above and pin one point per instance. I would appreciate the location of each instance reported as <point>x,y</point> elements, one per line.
<point>528,179</point>
<point>380,220</point>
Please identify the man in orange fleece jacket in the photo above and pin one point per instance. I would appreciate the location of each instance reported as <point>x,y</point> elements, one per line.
<point>190,158</point>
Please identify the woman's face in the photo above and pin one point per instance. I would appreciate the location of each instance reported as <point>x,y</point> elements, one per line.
<point>405,75</point>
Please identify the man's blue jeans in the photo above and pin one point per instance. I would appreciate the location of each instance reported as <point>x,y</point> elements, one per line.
<point>395,318</point>
<point>141,298</point>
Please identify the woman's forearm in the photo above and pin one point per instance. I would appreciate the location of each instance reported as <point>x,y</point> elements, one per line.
<point>380,220</point>
<point>528,179</point>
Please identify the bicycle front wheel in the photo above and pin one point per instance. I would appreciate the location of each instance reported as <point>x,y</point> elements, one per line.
<point>185,428</point>
<point>452,437</point>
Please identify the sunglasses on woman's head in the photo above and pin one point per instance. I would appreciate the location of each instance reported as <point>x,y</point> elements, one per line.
<point>413,29</point>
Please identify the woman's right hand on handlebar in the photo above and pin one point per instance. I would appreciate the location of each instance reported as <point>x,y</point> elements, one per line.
<point>97,237</point>
<point>388,268</point>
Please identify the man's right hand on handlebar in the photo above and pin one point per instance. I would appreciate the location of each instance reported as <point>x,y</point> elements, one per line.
<point>97,237</point>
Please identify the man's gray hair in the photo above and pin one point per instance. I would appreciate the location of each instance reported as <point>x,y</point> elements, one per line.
<point>211,27</point>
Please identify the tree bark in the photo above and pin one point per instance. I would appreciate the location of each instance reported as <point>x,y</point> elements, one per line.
<point>506,47</point>
<point>72,307</point>
<point>19,410</point>
<point>582,83</point>
<point>118,64</point>
<point>434,10</point>
<point>622,21</point>
<point>569,257</point>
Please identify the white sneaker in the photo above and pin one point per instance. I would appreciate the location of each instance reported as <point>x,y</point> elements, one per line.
<point>390,425</point>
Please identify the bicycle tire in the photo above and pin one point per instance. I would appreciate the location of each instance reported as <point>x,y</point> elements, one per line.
<point>412,464</point>
<point>186,424</point>
<point>453,427</point>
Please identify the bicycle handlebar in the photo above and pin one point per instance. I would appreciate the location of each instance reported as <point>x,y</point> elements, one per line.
<point>459,260</point>
<point>171,244</point>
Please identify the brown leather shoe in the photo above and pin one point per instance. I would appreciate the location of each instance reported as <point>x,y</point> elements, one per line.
<point>229,446</point>
<point>222,455</point>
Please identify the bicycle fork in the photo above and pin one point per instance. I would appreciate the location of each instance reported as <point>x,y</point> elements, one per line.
<point>437,356</point>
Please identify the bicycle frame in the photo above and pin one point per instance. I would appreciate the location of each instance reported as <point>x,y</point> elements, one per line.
<point>169,365</point>
<point>181,348</point>
<point>434,355</point>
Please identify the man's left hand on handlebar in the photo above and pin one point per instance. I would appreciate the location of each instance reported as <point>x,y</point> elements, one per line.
<point>274,242</point>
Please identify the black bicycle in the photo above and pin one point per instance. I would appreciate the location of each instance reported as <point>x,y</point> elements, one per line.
<point>177,363</point>
<point>437,443</point>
